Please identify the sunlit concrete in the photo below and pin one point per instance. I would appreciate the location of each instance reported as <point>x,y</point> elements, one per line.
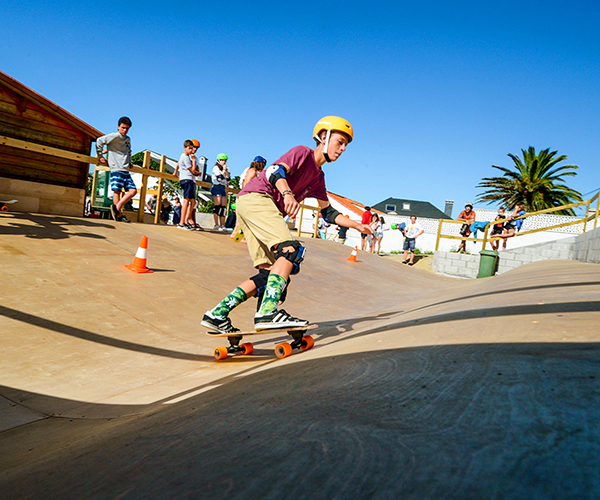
<point>418,385</point>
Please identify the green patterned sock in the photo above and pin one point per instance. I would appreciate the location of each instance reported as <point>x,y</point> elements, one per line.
<point>234,299</point>
<point>275,286</point>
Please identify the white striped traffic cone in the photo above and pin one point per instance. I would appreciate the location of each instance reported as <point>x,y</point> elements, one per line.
<point>352,257</point>
<point>139,261</point>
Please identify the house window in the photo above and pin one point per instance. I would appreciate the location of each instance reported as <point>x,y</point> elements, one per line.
<point>390,208</point>
<point>405,206</point>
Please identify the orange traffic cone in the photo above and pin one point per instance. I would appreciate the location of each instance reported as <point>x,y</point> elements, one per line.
<point>139,261</point>
<point>352,257</point>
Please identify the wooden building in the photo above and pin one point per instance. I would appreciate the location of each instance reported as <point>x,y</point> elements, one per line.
<point>44,152</point>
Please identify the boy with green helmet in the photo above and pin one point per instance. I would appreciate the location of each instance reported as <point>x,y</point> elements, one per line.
<point>261,206</point>
<point>220,178</point>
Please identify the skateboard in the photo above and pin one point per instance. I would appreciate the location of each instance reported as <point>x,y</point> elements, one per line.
<point>283,350</point>
<point>239,236</point>
<point>3,204</point>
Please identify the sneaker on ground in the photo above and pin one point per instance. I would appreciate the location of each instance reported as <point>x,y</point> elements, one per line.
<point>221,325</point>
<point>124,219</point>
<point>216,227</point>
<point>114,212</point>
<point>221,228</point>
<point>188,227</point>
<point>277,319</point>
<point>180,226</point>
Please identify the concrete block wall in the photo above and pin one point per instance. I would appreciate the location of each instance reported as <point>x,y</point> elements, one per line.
<point>584,247</point>
<point>455,264</point>
<point>587,247</point>
<point>561,249</point>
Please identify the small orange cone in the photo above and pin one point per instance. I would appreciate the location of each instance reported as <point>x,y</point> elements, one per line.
<point>352,257</point>
<point>139,261</point>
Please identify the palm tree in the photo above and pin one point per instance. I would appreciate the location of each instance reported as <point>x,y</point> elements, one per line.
<point>537,181</point>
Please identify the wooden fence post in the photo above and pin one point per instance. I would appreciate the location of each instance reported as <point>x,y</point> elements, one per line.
<point>161,181</point>
<point>437,241</point>
<point>145,166</point>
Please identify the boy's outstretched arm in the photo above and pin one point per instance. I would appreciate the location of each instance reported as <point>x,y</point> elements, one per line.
<point>332,216</point>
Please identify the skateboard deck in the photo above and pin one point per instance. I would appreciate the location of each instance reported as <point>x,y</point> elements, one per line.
<point>3,204</point>
<point>283,350</point>
<point>239,236</point>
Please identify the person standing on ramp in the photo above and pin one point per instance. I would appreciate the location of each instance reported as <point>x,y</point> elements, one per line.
<point>261,207</point>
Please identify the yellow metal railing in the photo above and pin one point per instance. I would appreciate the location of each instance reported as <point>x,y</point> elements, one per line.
<point>584,220</point>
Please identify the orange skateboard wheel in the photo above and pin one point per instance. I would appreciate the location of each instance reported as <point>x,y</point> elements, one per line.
<point>307,343</point>
<point>220,352</point>
<point>246,348</point>
<point>4,208</point>
<point>283,350</point>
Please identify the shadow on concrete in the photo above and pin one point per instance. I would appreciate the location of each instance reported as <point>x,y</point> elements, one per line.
<point>490,312</point>
<point>50,226</point>
<point>469,296</point>
<point>96,337</point>
<point>456,421</point>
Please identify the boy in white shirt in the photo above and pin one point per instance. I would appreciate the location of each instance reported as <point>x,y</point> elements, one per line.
<point>412,232</point>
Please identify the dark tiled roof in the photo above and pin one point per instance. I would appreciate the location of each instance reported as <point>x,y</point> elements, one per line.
<point>419,208</point>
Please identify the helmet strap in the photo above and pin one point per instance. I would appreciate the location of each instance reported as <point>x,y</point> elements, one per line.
<point>326,147</point>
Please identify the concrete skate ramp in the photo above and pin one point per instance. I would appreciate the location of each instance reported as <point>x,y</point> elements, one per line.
<point>418,386</point>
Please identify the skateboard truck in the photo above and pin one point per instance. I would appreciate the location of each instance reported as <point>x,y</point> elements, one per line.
<point>282,350</point>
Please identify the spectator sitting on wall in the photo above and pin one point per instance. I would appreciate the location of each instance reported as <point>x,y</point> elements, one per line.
<point>165,210</point>
<point>508,231</point>
<point>519,210</point>
<point>497,228</point>
<point>151,204</point>
<point>177,212</point>
<point>468,217</point>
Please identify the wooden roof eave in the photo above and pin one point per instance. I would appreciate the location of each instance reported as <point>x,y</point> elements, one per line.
<point>49,106</point>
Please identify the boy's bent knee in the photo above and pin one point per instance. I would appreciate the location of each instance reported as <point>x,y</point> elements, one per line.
<point>293,252</point>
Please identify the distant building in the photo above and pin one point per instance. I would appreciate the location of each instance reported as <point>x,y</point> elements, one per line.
<point>400,206</point>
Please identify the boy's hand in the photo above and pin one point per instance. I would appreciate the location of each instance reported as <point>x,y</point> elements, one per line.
<point>291,205</point>
<point>365,228</point>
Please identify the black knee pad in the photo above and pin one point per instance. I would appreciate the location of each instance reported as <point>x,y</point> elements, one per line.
<point>260,280</point>
<point>295,257</point>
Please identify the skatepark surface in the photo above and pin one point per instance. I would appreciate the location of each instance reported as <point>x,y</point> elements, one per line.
<point>418,386</point>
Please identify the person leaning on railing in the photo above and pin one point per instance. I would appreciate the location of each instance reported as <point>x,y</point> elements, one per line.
<point>512,225</point>
<point>468,217</point>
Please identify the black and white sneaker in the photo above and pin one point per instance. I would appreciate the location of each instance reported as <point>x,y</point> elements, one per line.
<point>220,325</point>
<point>277,320</point>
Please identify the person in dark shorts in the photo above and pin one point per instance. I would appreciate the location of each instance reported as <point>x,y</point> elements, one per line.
<point>366,219</point>
<point>220,178</point>
<point>187,170</point>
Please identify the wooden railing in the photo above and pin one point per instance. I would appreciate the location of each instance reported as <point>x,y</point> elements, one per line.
<point>144,170</point>
<point>588,217</point>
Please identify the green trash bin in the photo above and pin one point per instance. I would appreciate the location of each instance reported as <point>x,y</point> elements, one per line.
<point>488,263</point>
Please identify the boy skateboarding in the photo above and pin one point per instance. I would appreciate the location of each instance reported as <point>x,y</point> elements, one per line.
<point>261,207</point>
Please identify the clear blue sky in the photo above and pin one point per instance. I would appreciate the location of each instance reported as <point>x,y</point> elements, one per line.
<point>437,92</point>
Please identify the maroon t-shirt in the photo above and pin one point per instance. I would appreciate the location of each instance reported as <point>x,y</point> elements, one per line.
<point>305,178</point>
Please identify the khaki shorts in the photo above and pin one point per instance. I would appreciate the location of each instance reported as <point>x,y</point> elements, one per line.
<point>263,226</point>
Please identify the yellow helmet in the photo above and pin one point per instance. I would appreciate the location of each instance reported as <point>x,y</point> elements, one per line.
<point>336,123</point>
